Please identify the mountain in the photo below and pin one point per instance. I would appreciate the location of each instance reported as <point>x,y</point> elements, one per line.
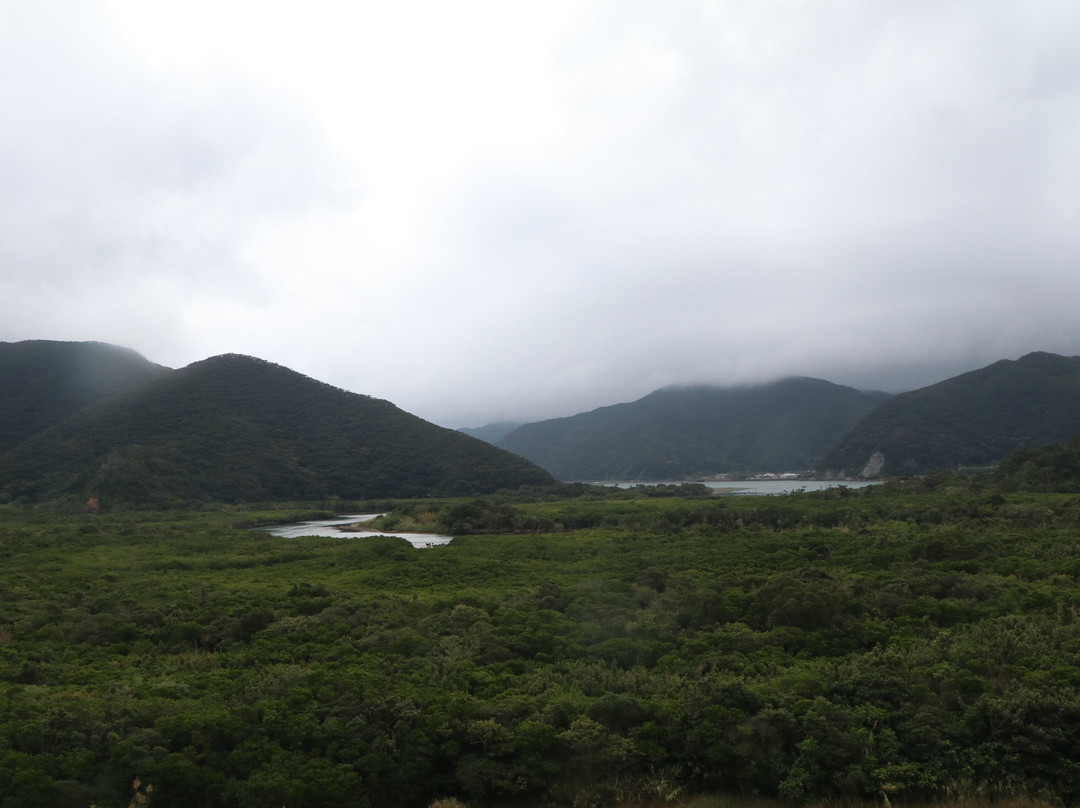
<point>234,428</point>
<point>678,432</point>
<point>974,419</point>
<point>42,382</point>
<point>492,433</point>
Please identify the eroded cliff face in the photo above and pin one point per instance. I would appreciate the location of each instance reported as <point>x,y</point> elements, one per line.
<point>873,466</point>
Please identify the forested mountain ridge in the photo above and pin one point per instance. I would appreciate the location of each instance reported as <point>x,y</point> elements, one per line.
<point>235,428</point>
<point>42,382</point>
<point>974,419</point>
<point>677,432</point>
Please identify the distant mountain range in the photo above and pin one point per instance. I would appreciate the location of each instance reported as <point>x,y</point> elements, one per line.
<point>678,432</point>
<point>492,433</point>
<point>800,424</point>
<point>975,419</point>
<point>80,420</point>
<point>86,419</point>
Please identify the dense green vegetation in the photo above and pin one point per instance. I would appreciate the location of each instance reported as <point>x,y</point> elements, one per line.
<point>917,639</point>
<point>238,429</point>
<point>1049,468</point>
<point>680,432</point>
<point>975,419</point>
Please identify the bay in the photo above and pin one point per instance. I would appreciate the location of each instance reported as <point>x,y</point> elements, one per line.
<point>753,487</point>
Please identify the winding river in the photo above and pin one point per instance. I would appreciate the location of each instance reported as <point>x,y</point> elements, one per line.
<point>351,527</point>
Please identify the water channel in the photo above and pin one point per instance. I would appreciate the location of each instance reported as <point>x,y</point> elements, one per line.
<point>351,527</point>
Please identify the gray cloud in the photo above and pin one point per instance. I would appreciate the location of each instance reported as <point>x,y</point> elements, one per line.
<point>517,217</point>
<point>126,195</point>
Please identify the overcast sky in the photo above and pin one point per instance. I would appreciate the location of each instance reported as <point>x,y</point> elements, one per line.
<point>510,210</point>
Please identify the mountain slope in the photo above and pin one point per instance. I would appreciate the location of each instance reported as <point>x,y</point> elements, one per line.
<point>682,431</point>
<point>42,382</point>
<point>237,428</point>
<point>492,433</point>
<point>973,419</point>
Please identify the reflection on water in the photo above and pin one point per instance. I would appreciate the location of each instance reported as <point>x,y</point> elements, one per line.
<point>782,486</point>
<point>755,486</point>
<point>347,527</point>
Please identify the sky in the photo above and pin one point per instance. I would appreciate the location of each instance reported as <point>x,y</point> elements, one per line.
<point>510,211</point>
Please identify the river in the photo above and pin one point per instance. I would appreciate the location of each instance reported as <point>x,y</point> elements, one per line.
<point>346,527</point>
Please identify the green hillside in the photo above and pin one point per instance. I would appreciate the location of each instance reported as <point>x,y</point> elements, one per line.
<point>684,431</point>
<point>42,382</point>
<point>234,428</point>
<point>974,419</point>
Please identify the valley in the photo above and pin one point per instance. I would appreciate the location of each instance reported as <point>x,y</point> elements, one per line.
<point>502,637</point>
